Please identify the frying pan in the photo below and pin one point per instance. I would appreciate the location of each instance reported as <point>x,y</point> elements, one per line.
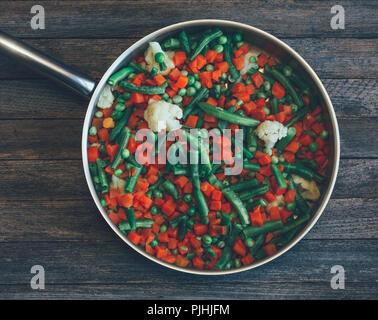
<point>87,87</point>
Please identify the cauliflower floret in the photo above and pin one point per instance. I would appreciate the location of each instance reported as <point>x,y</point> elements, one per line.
<point>106,98</point>
<point>162,115</point>
<point>310,188</point>
<point>118,183</point>
<point>154,48</point>
<point>271,132</point>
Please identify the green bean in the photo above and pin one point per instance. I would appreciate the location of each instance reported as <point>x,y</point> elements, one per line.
<point>102,176</point>
<point>120,75</point>
<point>258,243</point>
<point>222,124</point>
<point>236,229</point>
<point>172,43</point>
<point>286,84</point>
<point>121,123</point>
<point>302,86</point>
<point>130,184</point>
<point>299,169</point>
<point>141,223</point>
<point>259,202</point>
<point>274,105</point>
<point>131,218</point>
<point>251,140</point>
<point>206,39</point>
<point>184,42</point>
<point>300,201</point>
<point>137,67</point>
<point>199,96</point>
<point>251,166</point>
<point>281,183</point>
<point>247,154</point>
<point>176,221</point>
<point>250,194</point>
<point>128,86</point>
<point>281,144</point>
<point>182,227</point>
<point>285,238</point>
<point>222,114</point>
<point>224,259</point>
<point>293,224</point>
<point>125,136</point>
<point>318,177</point>
<point>231,196</point>
<point>244,185</point>
<point>171,188</point>
<point>267,78</point>
<point>269,226</point>
<point>180,171</point>
<point>231,67</point>
<point>300,114</point>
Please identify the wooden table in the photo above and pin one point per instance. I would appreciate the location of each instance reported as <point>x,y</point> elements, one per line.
<point>48,218</point>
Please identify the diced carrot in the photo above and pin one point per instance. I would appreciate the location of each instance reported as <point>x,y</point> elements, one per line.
<point>198,263</point>
<point>222,66</point>
<point>246,260</point>
<point>239,248</point>
<point>163,237</point>
<point>181,261</point>
<point>108,123</point>
<point>289,156</point>
<point>226,207</point>
<point>285,214</point>
<point>159,79</point>
<point>210,118</point>
<point>257,79</point>
<point>293,147</point>
<point>179,58</point>
<point>269,196</point>
<point>168,208</point>
<point>114,217</point>
<point>215,205</point>
<point>256,218</point>
<point>238,62</point>
<point>103,134</point>
<point>182,81</point>
<point>188,188</point>
<point>126,200</point>
<point>191,121</point>
<point>290,196</point>
<point>305,139</point>
<point>270,249</point>
<point>275,213</point>
<point>216,195</point>
<point>134,237</point>
<point>245,48</point>
<point>174,74</point>
<point>93,153</point>
<point>211,55</point>
<point>280,117</point>
<point>278,90</point>
<point>200,229</point>
<point>161,252</point>
<point>181,181</point>
<point>264,160</point>
<point>262,60</point>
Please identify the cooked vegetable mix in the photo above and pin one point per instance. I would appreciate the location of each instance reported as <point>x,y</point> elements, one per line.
<point>196,214</point>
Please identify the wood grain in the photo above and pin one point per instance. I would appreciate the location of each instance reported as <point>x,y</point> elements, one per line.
<point>92,19</point>
<point>61,139</point>
<point>67,263</point>
<point>64,179</point>
<point>330,58</point>
<point>79,220</point>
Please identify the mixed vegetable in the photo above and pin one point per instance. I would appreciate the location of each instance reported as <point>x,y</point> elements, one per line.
<point>195,215</point>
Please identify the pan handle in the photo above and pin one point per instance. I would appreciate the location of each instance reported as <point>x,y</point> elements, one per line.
<point>46,65</point>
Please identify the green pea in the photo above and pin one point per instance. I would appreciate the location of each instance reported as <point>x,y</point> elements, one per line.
<point>169,100</point>
<point>125,153</point>
<point>238,37</point>
<point>196,76</point>
<point>165,96</point>
<point>209,67</point>
<point>237,263</point>
<point>249,242</point>
<point>224,76</point>
<point>92,131</point>
<point>239,44</point>
<point>154,243</point>
<point>267,111</point>
<point>313,146</point>
<point>182,92</point>
<point>191,91</point>
<point>177,99</point>
<point>206,239</point>
<point>191,211</point>
<point>159,57</point>
<point>287,70</point>
<point>99,114</point>
<point>191,80</point>
<point>120,107</point>
<point>252,59</point>
<point>103,202</point>
<point>218,48</point>
<point>131,76</point>
<point>197,85</point>
<point>275,160</point>
<point>324,134</point>
<point>154,210</point>
<point>267,86</point>
<point>210,252</point>
<point>222,39</point>
<point>261,94</point>
<point>294,108</point>
<point>158,194</point>
<point>319,118</point>
<point>248,81</point>
<point>118,172</point>
<point>184,73</point>
<point>221,244</point>
<point>188,197</point>
<point>163,228</point>
<point>154,71</point>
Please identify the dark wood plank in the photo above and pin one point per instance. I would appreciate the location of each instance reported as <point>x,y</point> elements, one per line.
<point>307,266</point>
<point>125,18</point>
<point>352,98</point>
<point>60,180</point>
<point>261,291</point>
<point>79,220</point>
<point>61,139</point>
<point>330,58</point>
